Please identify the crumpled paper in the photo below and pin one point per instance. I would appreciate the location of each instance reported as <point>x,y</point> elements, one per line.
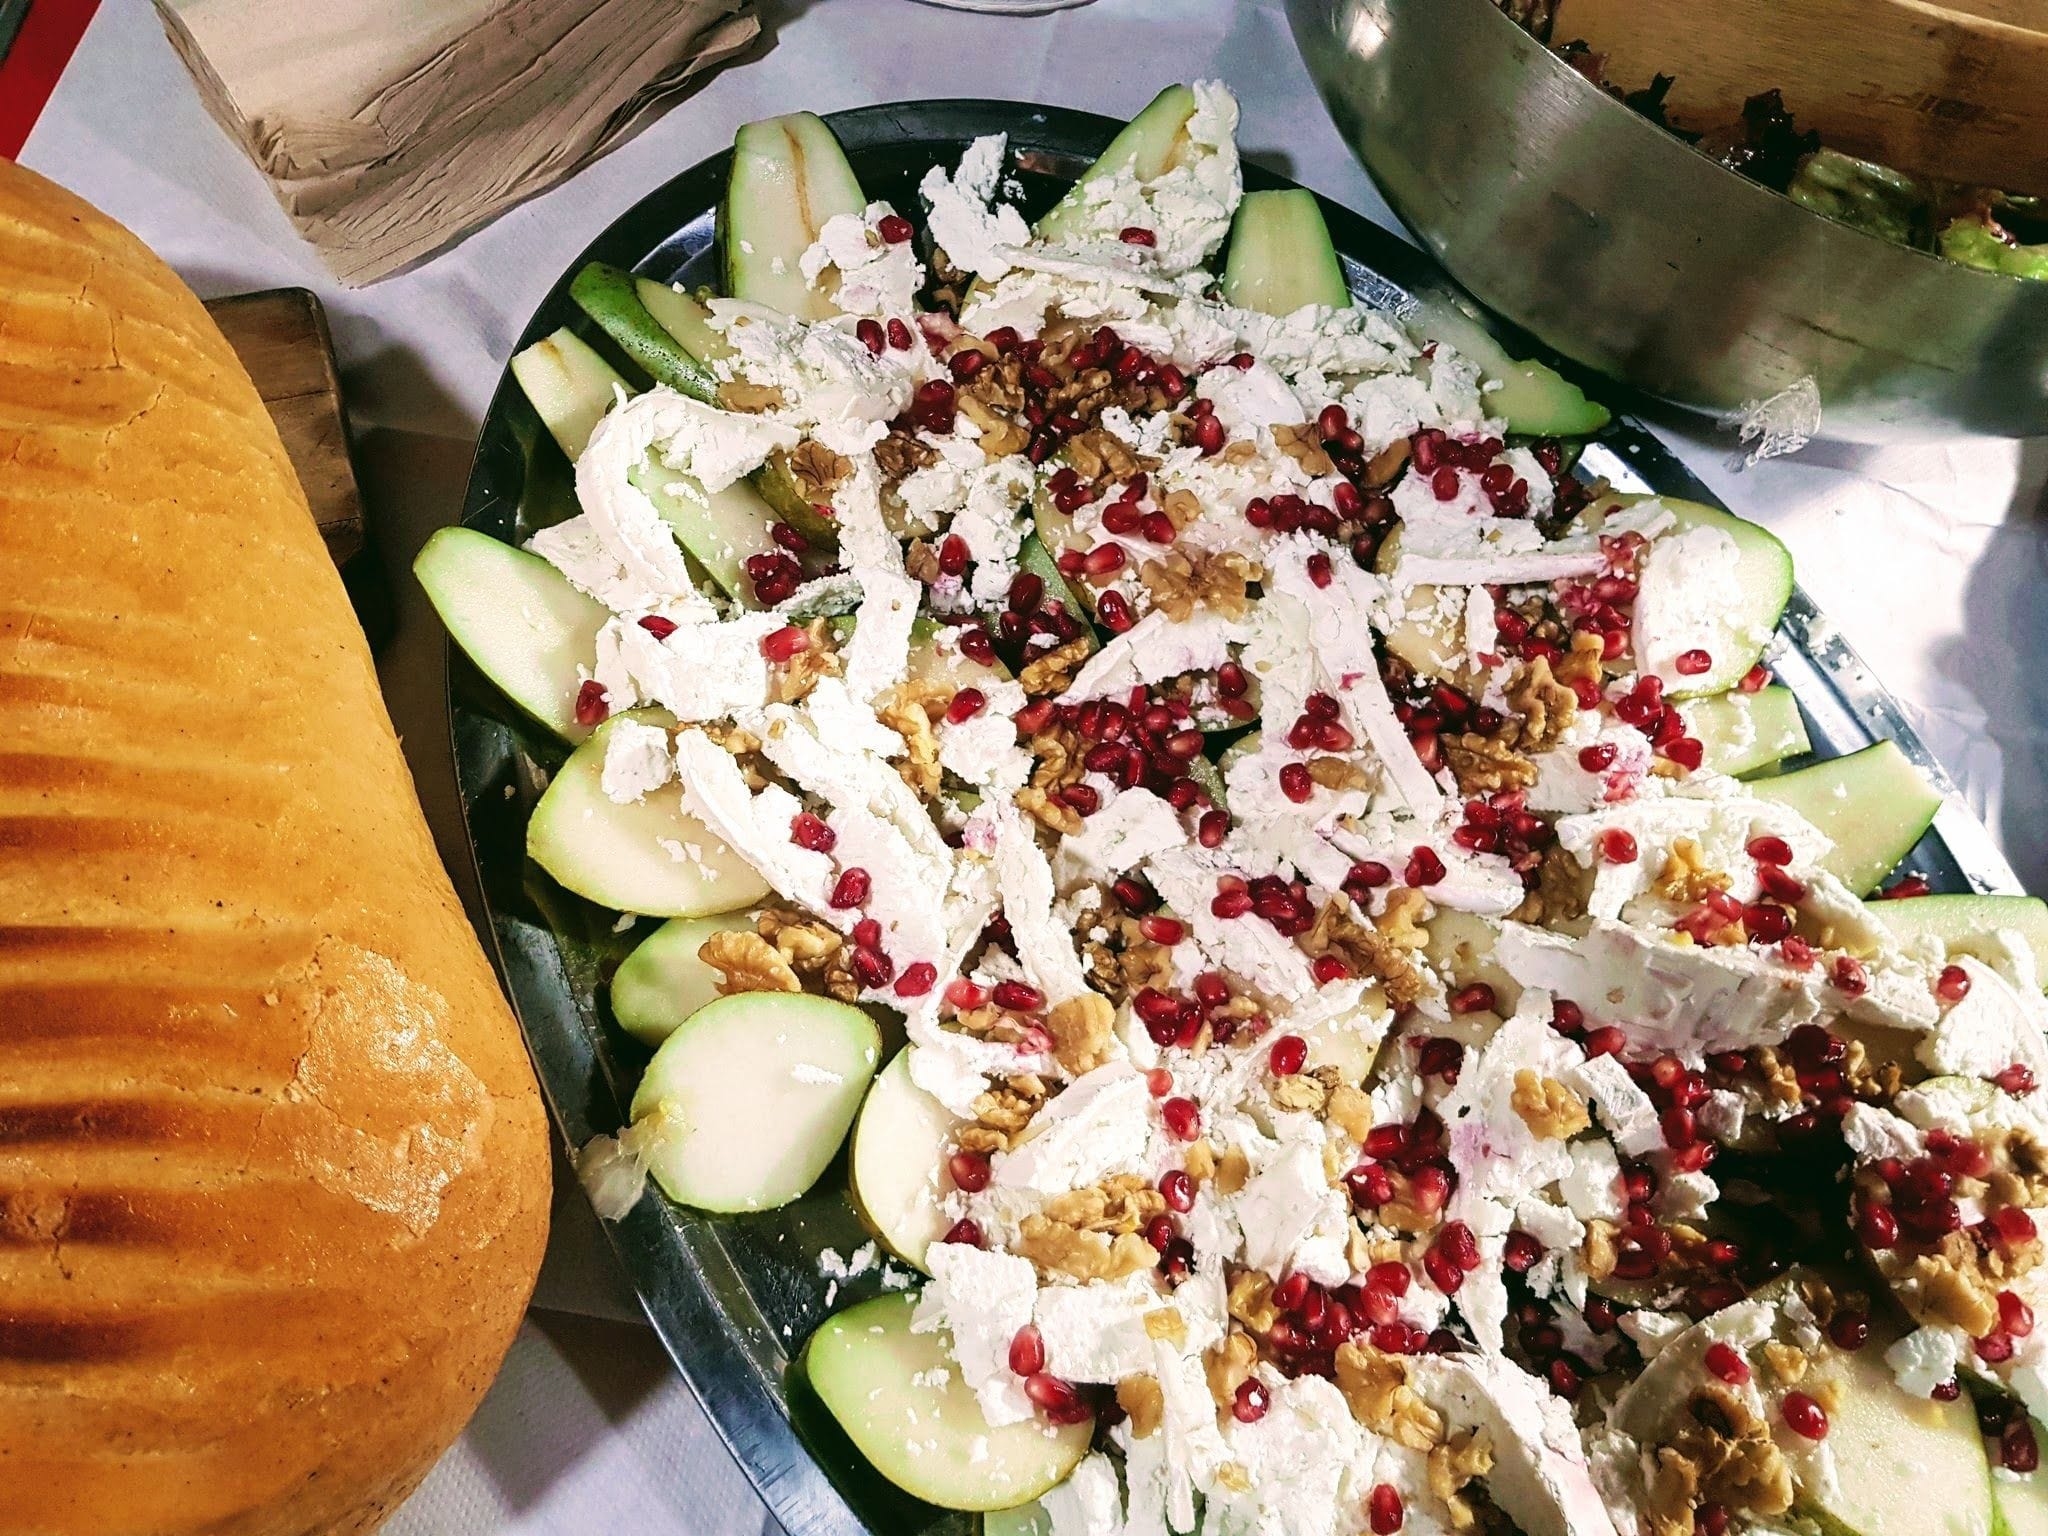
<point>388,128</point>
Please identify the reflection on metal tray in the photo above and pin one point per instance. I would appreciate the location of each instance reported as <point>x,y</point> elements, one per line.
<point>733,1298</point>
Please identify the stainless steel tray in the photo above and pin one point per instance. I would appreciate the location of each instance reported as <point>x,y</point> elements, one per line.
<point>733,1298</point>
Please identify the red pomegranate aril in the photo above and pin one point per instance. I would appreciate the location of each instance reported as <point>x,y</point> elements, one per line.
<point>1443,1273</point>
<point>1235,902</point>
<point>899,336</point>
<point>1805,1417</point>
<point>870,335</point>
<point>1849,1330</point>
<point>894,228</point>
<point>1520,1252</point>
<point>871,967</point>
<point>1177,1187</point>
<point>1248,1404</point>
<point>1027,1351</point>
<point>1607,1040</point>
<point>967,703</point>
<point>1319,570</point>
<point>809,831</point>
<point>1137,234</point>
<point>1159,1082</point>
<point>1159,1232</point>
<point>2017,1450</point>
<point>1212,829</point>
<point>1209,435</point>
<point>1766,922</point>
<point>1477,998</point>
<point>1018,997</point>
<point>1329,968</point>
<point>2010,1226</point>
<point>785,644</point>
<point>1183,1118</point>
<point>1616,845</point>
<point>965,995</point>
<point>2014,1315</point>
<point>1769,850</point>
<point>1849,977</point>
<point>1384,1510</point>
<point>966,1230</point>
<point>1598,757</point>
<point>1692,663</point>
<point>591,704</point>
<point>965,364</point>
<point>1424,868</point>
<point>1444,484</point>
<point>1295,782</point>
<point>2017,1079</point>
<point>1288,1056</point>
<point>1049,1392</point>
<point>953,554</point>
<point>1953,984</point>
<point>978,647</point>
<point>659,627</point>
<point>1688,752</point>
<point>1114,612</point>
<point>1677,1125</point>
<point>851,889</point>
<point>970,1170</point>
<point>1993,1348</point>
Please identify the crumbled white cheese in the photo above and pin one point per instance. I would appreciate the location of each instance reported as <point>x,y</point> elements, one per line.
<point>871,275</point>
<point>1100,1125</point>
<point>1687,586</point>
<point>637,761</point>
<point>983,1300</point>
<point>1154,649</point>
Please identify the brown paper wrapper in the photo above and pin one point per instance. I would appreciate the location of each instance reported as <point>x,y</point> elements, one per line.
<point>388,128</point>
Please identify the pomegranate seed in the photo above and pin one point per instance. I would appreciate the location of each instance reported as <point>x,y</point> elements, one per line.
<point>1018,997</point>
<point>1616,846</point>
<point>2014,1315</point>
<point>1607,1040</point>
<point>1384,1509</point>
<point>1849,977</point>
<point>1692,663</point>
<point>1711,1520</point>
<point>1027,1351</point>
<point>966,1230</point>
<point>965,995</point>
<point>1905,889</point>
<point>953,554</point>
<point>1598,757</point>
<point>965,364</point>
<point>1135,234</point>
<point>1213,828</point>
<point>1444,484</point>
<point>1755,678</point>
<point>1804,1417</point>
<point>1994,1348</point>
<point>871,967</point>
<point>852,888</point>
<point>967,703</point>
<point>2010,1226</point>
<point>1726,1362</point>
<point>2017,1079</point>
<point>785,644</point>
<point>894,228</point>
<point>899,336</point>
<point>1183,1118</point>
<point>1947,1391</point>
<point>1849,1330</point>
<point>1209,436</point>
<point>1114,612</point>
<point>1295,782</point>
<point>1477,998</point>
<point>1953,984</point>
<point>1329,968</point>
<point>2017,1451</point>
<point>1319,570</point>
<point>1162,930</point>
<point>1159,1082</point>
<point>1424,868</point>
<point>1248,1406</point>
<point>1796,952</point>
<point>1049,1392</point>
<point>591,705</point>
<point>1178,1189</point>
<point>870,335</point>
<point>969,1170</point>
<point>1565,1380</point>
<point>1766,923</point>
<point>1288,1056</point>
<point>1231,903</point>
<point>808,831</point>
<point>658,627</point>
<point>917,979</point>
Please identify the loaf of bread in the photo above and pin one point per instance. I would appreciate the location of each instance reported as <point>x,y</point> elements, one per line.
<point>273,1170</point>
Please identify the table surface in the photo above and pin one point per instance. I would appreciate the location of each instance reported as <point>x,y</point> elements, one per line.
<point>1928,558</point>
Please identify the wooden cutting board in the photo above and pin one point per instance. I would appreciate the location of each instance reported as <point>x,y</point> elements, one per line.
<point>281,337</point>
<point>1953,89</point>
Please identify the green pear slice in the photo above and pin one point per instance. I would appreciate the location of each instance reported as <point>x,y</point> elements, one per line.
<point>1743,732</point>
<point>1874,805</point>
<point>789,178</point>
<point>1530,397</point>
<point>612,297</point>
<point>663,981</point>
<point>1281,257</point>
<point>900,1144</point>
<point>1151,144</point>
<point>517,618</point>
<point>650,856</point>
<point>902,1401</point>
<point>1966,923</point>
<point>752,1095</point>
<point>570,386</point>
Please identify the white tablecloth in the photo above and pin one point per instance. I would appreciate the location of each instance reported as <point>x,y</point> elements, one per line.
<point>1929,559</point>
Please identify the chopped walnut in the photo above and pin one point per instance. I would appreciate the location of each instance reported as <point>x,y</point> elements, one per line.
<point>1544,707</point>
<point>1119,1205</point>
<point>1350,1110</point>
<point>1719,1452</point>
<point>1563,886</point>
<point>1402,1214</point>
<point>1166,1323</point>
<point>921,563</point>
<point>1453,1466</point>
<point>1001,1114</point>
<point>1780,1081</point>
<point>1233,1170</point>
<point>1145,964</point>
<point>740,395</point>
<point>1001,434</point>
<point>1597,1254</point>
<point>1056,815</point>
<point>1053,671</point>
<point>901,453</point>
<point>1181,507</point>
<point>1251,1300</point>
<point>1141,1398</point>
<point>1788,1364</point>
<point>1059,1249</point>
<point>1380,949</point>
<point>1487,764</point>
<point>1375,1385</point>
<point>1232,1475</point>
<point>801,673</point>
<point>1384,467</point>
<point>817,470</point>
<point>1685,877</point>
<point>1182,580</point>
<point>746,962</point>
<point>1201,1162</point>
<point>1338,773</point>
<point>1950,1285</point>
<point>908,710</point>
<point>1100,456</point>
<point>1304,445</point>
<point>1081,1029</point>
<point>1227,1364</point>
<point>1303,1093</point>
<point>813,950</point>
<point>1550,1109</point>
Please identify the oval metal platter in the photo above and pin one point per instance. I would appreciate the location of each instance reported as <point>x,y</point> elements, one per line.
<point>733,1298</point>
